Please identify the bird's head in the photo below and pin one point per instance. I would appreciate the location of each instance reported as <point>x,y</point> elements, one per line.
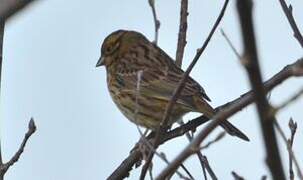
<point>116,44</point>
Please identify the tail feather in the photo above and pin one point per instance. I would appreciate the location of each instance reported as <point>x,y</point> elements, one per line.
<point>203,107</point>
<point>233,131</point>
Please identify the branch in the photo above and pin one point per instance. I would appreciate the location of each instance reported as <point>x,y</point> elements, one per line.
<point>230,44</point>
<point>10,7</point>
<point>251,64</point>
<point>288,13</point>
<point>156,21</point>
<point>2,25</point>
<point>163,125</point>
<point>4,167</point>
<point>291,70</point>
<point>293,98</point>
<point>182,32</point>
<point>218,138</point>
<point>226,111</point>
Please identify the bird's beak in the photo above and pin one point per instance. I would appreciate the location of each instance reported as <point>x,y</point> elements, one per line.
<point>100,62</point>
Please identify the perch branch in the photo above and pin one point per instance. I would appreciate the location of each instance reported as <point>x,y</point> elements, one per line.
<point>292,70</point>
<point>163,125</point>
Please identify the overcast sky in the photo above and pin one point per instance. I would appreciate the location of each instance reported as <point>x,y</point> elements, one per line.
<point>50,52</point>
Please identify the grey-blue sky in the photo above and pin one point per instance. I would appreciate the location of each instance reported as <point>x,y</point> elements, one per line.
<point>50,52</point>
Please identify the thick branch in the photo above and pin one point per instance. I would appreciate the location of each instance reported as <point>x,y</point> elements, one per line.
<point>10,7</point>
<point>292,70</point>
<point>264,108</point>
<point>288,13</point>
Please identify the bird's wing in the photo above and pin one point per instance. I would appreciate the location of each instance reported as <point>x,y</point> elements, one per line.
<point>159,75</point>
<point>161,83</point>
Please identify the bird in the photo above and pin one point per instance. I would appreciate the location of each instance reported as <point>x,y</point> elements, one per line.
<point>141,79</point>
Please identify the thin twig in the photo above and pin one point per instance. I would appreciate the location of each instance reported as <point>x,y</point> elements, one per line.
<point>4,167</point>
<point>290,100</point>
<point>290,151</point>
<point>236,176</point>
<point>293,128</point>
<point>289,15</point>
<point>163,125</point>
<point>156,20</point>
<point>251,64</point>
<point>292,70</point>
<point>7,9</point>
<point>217,138</point>
<point>203,161</point>
<point>182,32</point>
<point>230,44</point>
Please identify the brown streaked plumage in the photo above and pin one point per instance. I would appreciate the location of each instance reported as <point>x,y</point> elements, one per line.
<point>125,54</point>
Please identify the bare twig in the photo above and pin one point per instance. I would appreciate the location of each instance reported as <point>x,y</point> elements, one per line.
<point>230,44</point>
<point>7,9</point>
<point>290,151</point>
<point>236,176</point>
<point>251,64</point>
<point>293,128</point>
<point>292,70</point>
<point>163,126</point>
<point>156,20</point>
<point>288,13</point>
<point>203,161</point>
<point>288,101</point>
<point>10,7</point>
<point>218,138</point>
<point>4,167</point>
<point>182,32</point>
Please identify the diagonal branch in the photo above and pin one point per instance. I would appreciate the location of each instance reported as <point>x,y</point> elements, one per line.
<point>251,64</point>
<point>163,125</point>
<point>228,110</point>
<point>292,70</point>
<point>288,13</point>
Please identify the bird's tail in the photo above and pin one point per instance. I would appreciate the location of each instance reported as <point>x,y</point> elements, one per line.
<point>232,130</point>
<point>208,111</point>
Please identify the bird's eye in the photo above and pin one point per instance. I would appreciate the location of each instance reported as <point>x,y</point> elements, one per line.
<point>108,49</point>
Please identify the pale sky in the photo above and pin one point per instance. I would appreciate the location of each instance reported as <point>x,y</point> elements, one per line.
<point>50,52</point>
